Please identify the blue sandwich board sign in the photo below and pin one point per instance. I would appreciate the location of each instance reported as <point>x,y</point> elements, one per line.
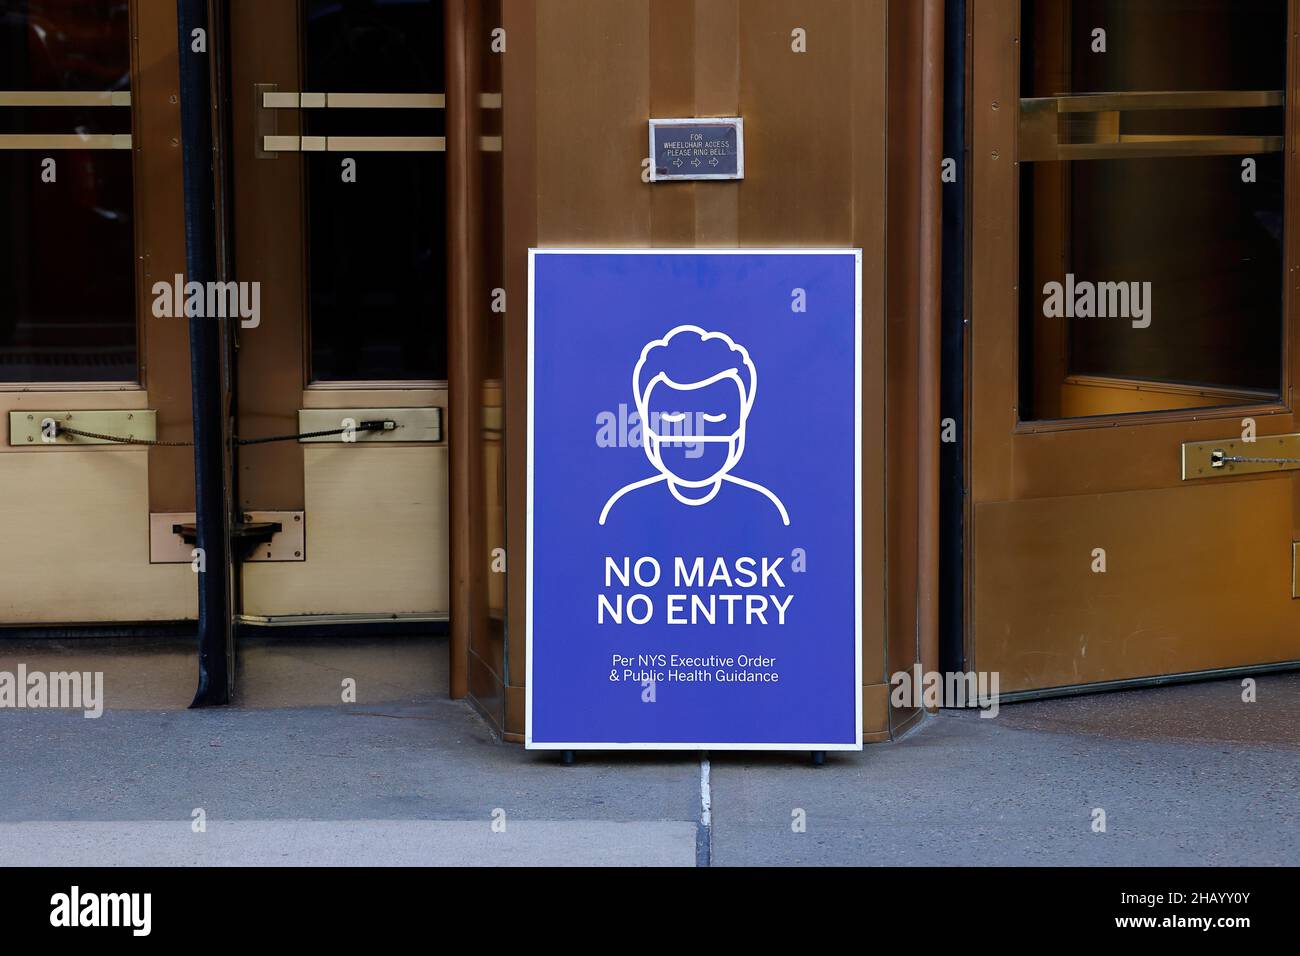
<point>694,518</point>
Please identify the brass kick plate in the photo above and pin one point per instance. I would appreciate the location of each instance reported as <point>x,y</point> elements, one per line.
<point>413,424</point>
<point>1295,584</point>
<point>140,423</point>
<point>1208,459</point>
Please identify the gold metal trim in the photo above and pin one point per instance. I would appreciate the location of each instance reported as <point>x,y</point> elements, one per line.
<point>387,144</point>
<point>386,101</point>
<point>281,144</point>
<point>139,423</point>
<point>65,98</point>
<point>368,101</point>
<point>279,101</point>
<point>18,141</point>
<point>1295,566</point>
<point>413,424</point>
<point>354,144</point>
<point>1090,126</point>
<point>300,620</point>
<point>1201,458</point>
<point>1240,395</point>
<point>1165,100</point>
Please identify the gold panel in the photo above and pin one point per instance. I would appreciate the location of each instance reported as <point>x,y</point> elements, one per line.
<point>413,424</point>
<point>76,542</point>
<point>376,522</point>
<point>1090,395</point>
<point>1195,579</point>
<point>1236,456</point>
<point>140,423</point>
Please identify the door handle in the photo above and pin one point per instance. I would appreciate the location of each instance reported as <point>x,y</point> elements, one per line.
<point>277,100</point>
<point>354,144</point>
<point>65,98</point>
<point>1091,125</point>
<point>271,143</point>
<point>367,101</point>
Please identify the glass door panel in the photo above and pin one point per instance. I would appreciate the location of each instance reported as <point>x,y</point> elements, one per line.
<point>67,261</point>
<point>376,236</point>
<point>1151,205</point>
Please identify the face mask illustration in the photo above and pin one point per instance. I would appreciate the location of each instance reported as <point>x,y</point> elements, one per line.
<point>694,391</point>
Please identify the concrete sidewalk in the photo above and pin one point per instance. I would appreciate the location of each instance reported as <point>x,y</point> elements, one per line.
<point>1185,775</point>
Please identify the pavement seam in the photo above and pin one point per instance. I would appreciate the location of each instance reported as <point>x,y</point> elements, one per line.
<point>704,830</point>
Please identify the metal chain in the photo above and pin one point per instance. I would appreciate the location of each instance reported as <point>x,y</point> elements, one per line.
<point>119,440</point>
<point>1236,460</point>
<point>363,427</point>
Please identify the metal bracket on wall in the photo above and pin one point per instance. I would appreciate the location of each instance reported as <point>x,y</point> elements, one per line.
<point>1236,456</point>
<point>260,537</point>
<point>139,423</point>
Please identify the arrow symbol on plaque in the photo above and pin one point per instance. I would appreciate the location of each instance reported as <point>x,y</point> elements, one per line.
<point>695,162</point>
<point>677,162</point>
<point>713,161</point>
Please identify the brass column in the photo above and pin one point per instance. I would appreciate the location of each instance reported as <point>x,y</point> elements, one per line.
<point>931,299</point>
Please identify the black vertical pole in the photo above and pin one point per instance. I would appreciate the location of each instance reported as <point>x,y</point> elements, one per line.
<point>205,351</point>
<point>952,475</point>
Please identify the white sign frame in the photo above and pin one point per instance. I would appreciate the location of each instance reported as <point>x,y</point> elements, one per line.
<point>857,745</point>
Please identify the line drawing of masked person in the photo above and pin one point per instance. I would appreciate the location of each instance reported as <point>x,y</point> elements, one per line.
<point>694,391</point>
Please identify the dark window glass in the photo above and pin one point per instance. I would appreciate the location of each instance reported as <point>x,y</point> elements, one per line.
<point>67,265</point>
<point>1169,267</point>
<point>376,246</point>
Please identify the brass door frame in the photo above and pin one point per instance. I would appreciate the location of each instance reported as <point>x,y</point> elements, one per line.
<point>1021,461</point>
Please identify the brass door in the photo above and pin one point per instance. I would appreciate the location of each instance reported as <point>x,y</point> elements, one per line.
<point>90,185</point>
<point>1132,294</point>
<point>338,202</point>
